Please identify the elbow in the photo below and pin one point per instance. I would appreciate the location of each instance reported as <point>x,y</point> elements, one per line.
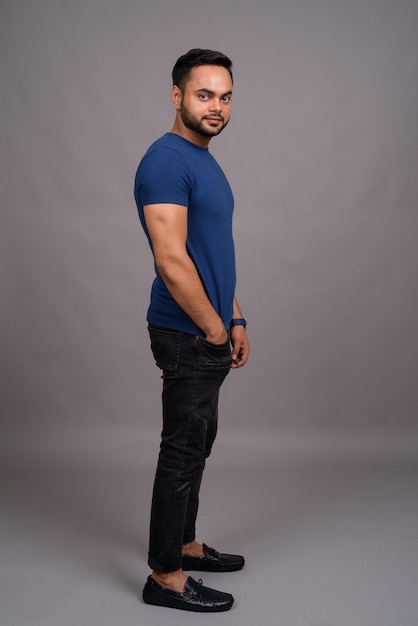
<point>166,266</point>
<point>171,261</point>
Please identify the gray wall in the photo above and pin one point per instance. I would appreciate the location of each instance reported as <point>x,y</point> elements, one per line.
<point>322,155</point>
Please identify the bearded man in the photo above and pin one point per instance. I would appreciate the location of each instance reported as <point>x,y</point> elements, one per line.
<point>196,327</point>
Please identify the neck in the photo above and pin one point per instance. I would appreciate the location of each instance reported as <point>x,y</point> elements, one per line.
<point>199,140</point>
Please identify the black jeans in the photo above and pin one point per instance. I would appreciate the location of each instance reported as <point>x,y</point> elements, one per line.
<point>193,371</point>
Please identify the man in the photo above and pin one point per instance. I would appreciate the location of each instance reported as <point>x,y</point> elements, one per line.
<point>196,327</point>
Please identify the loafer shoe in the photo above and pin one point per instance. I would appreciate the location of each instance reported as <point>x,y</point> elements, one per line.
<point>212,561</point>
<point>195,597</point>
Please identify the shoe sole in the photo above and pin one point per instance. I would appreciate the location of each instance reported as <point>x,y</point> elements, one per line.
<point>171,603</point>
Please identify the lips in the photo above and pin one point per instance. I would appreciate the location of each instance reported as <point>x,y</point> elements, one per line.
<point>213,119</point>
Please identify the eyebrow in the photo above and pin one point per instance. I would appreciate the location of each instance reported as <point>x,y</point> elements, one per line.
<point>212,93</point>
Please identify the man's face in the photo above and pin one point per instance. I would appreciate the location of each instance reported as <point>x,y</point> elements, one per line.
<point>205,104</point>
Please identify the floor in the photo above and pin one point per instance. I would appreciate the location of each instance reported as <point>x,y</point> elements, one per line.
<point>326,545</point>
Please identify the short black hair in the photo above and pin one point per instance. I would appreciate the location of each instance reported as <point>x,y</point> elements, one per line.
<point>194,58</point>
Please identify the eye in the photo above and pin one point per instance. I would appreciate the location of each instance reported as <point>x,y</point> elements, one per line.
<point>203,96</point>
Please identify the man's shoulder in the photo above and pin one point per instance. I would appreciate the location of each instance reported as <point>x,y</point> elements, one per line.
<point>171,142</point>
<point>165,173</point>
<point>165,152</point>
<point>172,153</point>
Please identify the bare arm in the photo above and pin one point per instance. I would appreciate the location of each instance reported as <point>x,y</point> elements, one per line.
<point>167,226</point>
<point>239,340</point>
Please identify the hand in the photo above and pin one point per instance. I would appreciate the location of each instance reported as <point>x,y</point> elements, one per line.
<point>240,346</point>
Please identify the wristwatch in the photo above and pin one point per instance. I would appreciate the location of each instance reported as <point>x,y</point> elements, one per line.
<point>238,321</point>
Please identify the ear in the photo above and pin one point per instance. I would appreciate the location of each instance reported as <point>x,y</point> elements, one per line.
<point>176,96</point>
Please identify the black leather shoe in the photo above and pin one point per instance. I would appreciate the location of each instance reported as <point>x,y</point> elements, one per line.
<point>195,597</point>
<point>212,561</point>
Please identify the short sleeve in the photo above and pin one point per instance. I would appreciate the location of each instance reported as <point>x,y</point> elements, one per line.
<point>163,177</point>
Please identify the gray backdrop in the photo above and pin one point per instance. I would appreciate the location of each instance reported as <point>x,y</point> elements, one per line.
<point>314,474</point>
<point>322,156</point>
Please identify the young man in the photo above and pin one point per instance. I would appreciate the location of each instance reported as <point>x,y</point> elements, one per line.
<point>196,327</point>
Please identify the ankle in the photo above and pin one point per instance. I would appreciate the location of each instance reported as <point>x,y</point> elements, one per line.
<point>192,549</point>
<point>172,580</point>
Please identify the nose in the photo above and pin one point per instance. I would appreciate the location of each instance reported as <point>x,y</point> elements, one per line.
<point>215,105</point>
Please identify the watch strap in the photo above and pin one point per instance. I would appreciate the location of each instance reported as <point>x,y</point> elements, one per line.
<point>238,321</point>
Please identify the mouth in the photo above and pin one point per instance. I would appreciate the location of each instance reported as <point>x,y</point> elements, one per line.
<point>213,118</point>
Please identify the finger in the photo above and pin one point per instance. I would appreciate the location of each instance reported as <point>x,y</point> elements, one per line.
<point>237,362</point>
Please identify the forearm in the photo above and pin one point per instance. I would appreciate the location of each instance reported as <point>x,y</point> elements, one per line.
<point>183,282</point>
<point>239,339</point>
<point>236,310</point>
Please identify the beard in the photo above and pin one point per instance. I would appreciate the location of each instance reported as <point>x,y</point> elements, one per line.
<point>197,125</point>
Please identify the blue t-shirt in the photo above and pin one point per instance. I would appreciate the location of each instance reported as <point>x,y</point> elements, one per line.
<point>176,171</point>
